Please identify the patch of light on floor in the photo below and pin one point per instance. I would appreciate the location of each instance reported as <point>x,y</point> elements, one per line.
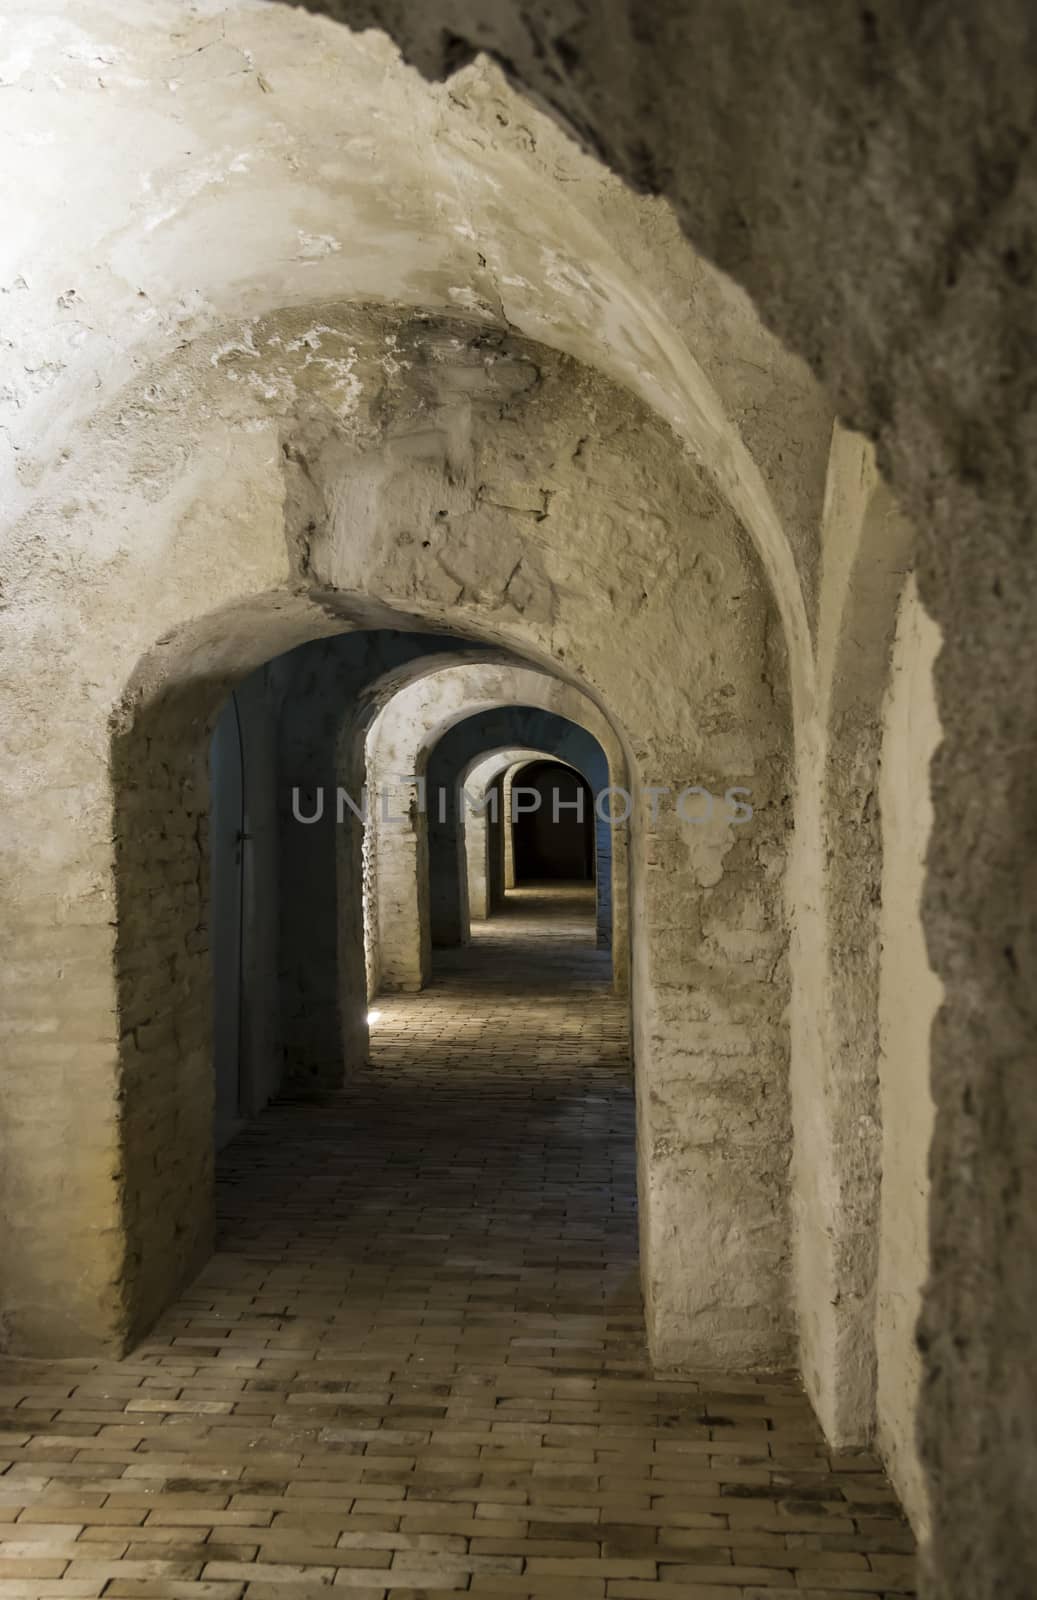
<point>372,1016</point>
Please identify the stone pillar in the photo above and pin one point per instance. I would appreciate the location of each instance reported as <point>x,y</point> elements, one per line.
<point>507,825</point>
<point>400,864</point>
<point>477,857</point>
<point>495,831</point>
<point>712,1059</point>
<point>63,1263</point>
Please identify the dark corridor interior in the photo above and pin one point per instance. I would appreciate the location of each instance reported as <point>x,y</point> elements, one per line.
<point>552,812</point>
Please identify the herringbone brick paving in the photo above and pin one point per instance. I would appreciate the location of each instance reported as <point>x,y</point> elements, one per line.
<point>416,1364</point>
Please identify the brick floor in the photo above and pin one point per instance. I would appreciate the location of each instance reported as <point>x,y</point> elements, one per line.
<point>416,1364</point>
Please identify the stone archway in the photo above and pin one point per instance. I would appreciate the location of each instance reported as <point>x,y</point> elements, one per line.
<point>333,564</point>
<point>486,877</point>
<point>600,764</point>
<point>400,743</point>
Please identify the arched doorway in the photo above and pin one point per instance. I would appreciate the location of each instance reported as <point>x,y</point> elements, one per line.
<point>552,822</point>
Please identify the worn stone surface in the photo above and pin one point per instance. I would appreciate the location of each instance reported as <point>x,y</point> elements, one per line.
<point>909,997</point>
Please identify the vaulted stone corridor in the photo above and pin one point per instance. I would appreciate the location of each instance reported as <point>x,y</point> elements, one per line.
<point>416,1364</point>
<point>518,779</point>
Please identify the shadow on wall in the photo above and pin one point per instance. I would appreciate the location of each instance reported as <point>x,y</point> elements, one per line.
<point>245,904</point>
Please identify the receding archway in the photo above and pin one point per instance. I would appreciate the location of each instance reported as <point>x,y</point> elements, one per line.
<point>564,737</point>
<point>483,836</point>
<point>420,744</point>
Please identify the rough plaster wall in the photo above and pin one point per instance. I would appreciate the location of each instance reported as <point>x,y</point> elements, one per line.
<point>834,893</point>
<point>708,898</point>
<point>909,996</point>
<point>372,960</point>
<point>315,166</point>
<point>891,149</point>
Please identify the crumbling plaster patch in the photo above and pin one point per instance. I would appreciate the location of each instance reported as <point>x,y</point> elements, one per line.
<point>406,185</point>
